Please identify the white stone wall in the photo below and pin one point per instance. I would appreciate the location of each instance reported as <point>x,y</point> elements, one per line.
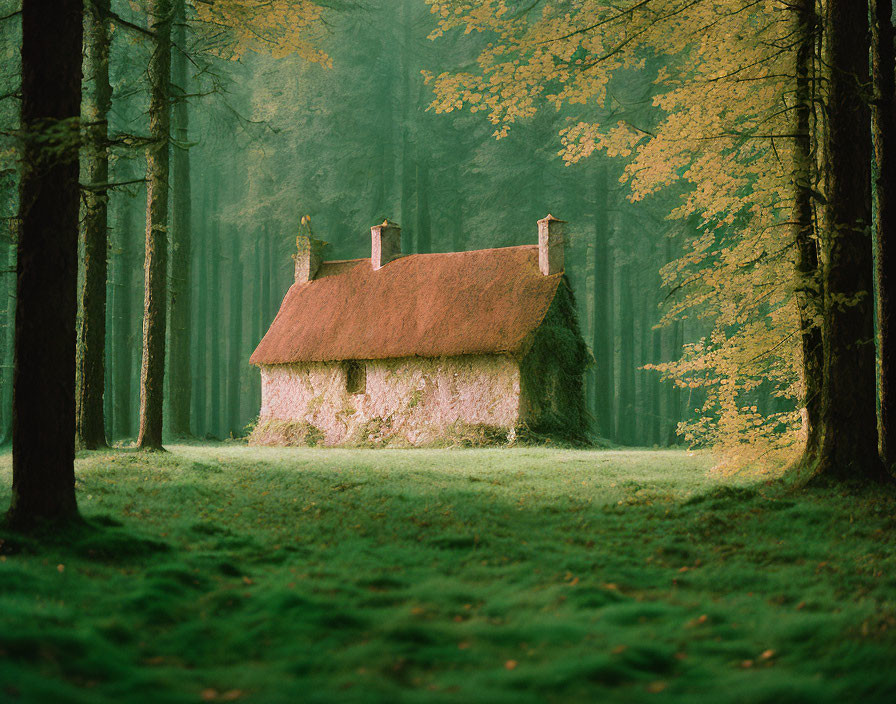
<point>412,400</point>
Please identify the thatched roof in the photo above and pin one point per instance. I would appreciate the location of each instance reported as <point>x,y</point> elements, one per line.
<point>428,305</point>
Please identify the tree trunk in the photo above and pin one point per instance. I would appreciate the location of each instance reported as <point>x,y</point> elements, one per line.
<point>809,296</point>
<point>43,473</point>
<point>235,337</point>
<point>258,322</point>
<point>92,334</point>
<point>884,124</point>
<point>626,357</point>
<point>213,261</point>
<point>200,333</point>
<point>124,338</point>
<point>9,305</point>
<point>656,411</point>
<point>152,368</point>
<point>602,325</point>
<point>180,381</point>
<point>848,415</point>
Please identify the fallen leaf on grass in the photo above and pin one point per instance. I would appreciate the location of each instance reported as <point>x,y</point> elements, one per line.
<point>656,687</point>
<point>511,664</point>
<point>767,654</point>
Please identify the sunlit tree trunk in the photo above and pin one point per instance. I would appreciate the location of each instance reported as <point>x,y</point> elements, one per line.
<point>180,381</point>
<point>848,414</point>
<point>808,293</point>
<point>43,476</point>
<point>884,123</point>
<point>92,334</point>
<point>152,370</point>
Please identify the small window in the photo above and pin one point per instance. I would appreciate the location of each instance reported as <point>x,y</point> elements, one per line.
<point>355,377</point>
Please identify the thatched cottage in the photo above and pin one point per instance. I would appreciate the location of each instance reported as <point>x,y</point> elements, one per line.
<point>423,348</point>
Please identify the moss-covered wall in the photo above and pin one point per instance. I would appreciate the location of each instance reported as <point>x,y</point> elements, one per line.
<point>552,373</point>
<point>406,401</point>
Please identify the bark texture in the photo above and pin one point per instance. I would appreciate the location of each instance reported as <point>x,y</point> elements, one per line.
<point>809,296</point>
<point>92,333</point>
<point>43,477</point>
<point>884,125</point>
<point>8,305</point>
<point>848,415</point>
<point>180,383</point>
<point>152,369</point>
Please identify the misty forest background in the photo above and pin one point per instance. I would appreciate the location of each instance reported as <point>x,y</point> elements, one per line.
<point>676,145</point>
<point>267,140</point>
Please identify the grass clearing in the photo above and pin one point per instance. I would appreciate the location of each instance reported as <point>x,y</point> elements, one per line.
<point>227,573</point>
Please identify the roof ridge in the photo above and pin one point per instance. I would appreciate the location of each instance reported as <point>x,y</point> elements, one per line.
<point>436,254</point>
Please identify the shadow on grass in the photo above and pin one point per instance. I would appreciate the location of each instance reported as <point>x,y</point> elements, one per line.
<point>101,537</point>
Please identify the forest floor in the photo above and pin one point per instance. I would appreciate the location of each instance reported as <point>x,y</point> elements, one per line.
<point>227,573</point>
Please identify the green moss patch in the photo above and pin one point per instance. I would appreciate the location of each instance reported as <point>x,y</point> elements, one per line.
<point>286,433</point>
<point>256,574</point>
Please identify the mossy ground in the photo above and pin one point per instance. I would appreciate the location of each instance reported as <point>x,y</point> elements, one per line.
<point>226,573</point>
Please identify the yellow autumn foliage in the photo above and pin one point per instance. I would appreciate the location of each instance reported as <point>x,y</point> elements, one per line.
<point>275,27</point>
<point>717,135</point>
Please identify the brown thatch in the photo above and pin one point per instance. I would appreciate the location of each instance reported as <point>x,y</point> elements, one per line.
<point>429,305</point>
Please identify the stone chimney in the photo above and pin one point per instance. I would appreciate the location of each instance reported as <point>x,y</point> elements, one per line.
<point>550,245</point>
<point>385,244</point>
<point>308,256</point>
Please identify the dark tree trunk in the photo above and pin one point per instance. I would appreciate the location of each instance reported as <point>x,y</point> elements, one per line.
<point>43,475</point>
<point>809,296</point>
<point>884,122</point>
<point>92,334</point>
<point>848,415</point>
<point>180,381</point>
<point>8,304</point>
<point>152,368</point>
